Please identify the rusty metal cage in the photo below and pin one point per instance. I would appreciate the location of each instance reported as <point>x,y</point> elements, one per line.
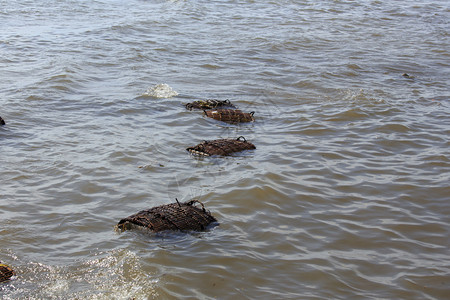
<point>221,147</point>
<point>232,116</point>
<point>6,272</point>
<point>209,104</point>
<point>176,216</point>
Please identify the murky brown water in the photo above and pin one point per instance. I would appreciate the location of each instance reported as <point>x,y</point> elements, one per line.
<point>345,197</point>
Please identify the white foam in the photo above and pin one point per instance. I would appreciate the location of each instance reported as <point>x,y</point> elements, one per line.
<point>161,90</point>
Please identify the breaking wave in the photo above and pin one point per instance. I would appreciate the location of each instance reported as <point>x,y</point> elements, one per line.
<point>161,90</point>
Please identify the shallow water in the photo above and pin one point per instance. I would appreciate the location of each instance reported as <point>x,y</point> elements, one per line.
<point>346,195</point>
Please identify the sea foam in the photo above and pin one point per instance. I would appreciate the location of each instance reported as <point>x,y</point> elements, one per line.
<point>161,90</point>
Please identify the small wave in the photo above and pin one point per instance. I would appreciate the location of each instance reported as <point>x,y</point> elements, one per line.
<point>117,274</point>
<point>161,90</point>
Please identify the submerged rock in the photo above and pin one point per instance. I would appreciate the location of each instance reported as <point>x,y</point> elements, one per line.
<point>209,104</point>
<point>6,272</point>
<point>221,147</point>
<point>232,116</point>
<point>174,216</point>
<point>2,122</point>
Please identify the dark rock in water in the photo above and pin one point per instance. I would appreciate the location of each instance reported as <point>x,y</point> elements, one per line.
<point>406,75</point>
<point>175,216</point>
<point>221,147</point>
<point>2,122</point>
<point>232,116</point>
<point>209,104</point>
<point>6,272</point>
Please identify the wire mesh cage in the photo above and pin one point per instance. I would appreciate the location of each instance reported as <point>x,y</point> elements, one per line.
<point>187,216</point>
<point>6,272</point>
<point>232,116</point>
<point>221,147</point>
<point>209,104</point>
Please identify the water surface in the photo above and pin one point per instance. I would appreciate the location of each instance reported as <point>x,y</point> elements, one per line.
<point>345,197</point>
